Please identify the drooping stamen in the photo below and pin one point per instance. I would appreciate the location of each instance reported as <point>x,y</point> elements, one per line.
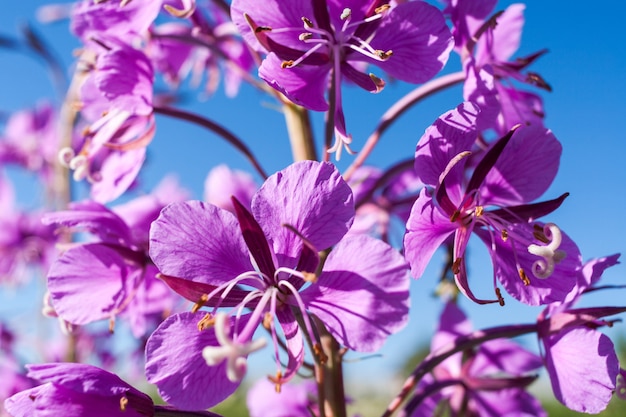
<point>523,277</point>
<point>550,252</point>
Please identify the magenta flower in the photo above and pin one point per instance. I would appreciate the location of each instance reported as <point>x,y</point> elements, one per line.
<point>117,100</point>
<point>581,361</point>
<point>310,41</point>
<point>489,381</point>
<point>266,261</point>
<point>113,275</point>
<point>535,262</point>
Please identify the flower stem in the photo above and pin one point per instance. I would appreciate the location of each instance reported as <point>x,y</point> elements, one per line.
<point>300,132</point>
<point>215,128</point>
<point>334,393</point>
<point>395,111</point>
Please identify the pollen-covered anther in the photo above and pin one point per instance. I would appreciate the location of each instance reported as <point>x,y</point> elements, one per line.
<point>384,55</point>
<point>260,29</point>
<point>455,216</point>
<point>205,322</point>
<point>267,320</point>
<point>309,277</point>
<point>200,303</point>
<point>286,64</point>
<point>504,234</point>
<point>499,296</point>
<point>382,9</point>
<point>319,353</point>
<point>307,22</point>
<point>305,36</point>
<point>523,277</point>
<point>112,325</point>
<point>550,252</point>
<point>123,403</point>
<point>456,266</point>
<point>345,14</point>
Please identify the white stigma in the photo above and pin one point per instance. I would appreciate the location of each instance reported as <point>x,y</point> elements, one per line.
<point>550,253</point>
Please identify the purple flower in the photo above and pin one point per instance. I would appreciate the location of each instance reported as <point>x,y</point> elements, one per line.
<point>78,390</point>
<point>113,275</point>
<point>535,262</point>
<point>581,361</point>
<point>310,41</point>
<point>293,400</point>
<point>489,381</point>
<point>267,261</point>
<point>117,99</point>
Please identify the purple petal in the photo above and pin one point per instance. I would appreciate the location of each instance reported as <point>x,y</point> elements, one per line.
<point>555,288</point>
<point>198,242</point>
<point>222,183</point>
<point>362,295</point>
<point>426,230</point>
<point>295,342</point>
<point>313,198</point>
<point>305,85</point>
<point>118,171</point>
<point>21,404</point>
<point>452,133</point>
<point>507,402</point>
<point>504,39</point>
<point>453,323</point>
<point>417,34</point>
<point>174,363</point>
<point>293,400</point>
<point>87,282</point>
<point>525,168</point>
<point>503,355</point>
<point>583,367</point>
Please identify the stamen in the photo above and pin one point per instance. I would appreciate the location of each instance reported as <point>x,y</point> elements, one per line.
<point>478,211</point>
<point>305,36</point>
<point>267,320</point>
<point>277,380</point>
<point>205,322</point>
<point>345,14</point>
<point>384,55</point>
<point>499,296</point>
<point>319,353</point>
<point>286,64</point>
<point>200,303</point>
<point>309,277</point>
<point>123,403</point>
<point>112,325</point>
<point>524,277</point>
<point>65,156</point>
<point>550,253</point>
<point>307,23</point>
<point>505,235</point>
<point>456,266</point>
<point>260,29</point>
<point>381,9</point>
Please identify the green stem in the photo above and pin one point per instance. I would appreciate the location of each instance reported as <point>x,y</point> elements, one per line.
<point>300,132</point>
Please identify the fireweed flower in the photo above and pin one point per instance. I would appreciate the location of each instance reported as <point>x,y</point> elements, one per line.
<point>535,262</point>
<point>116,98</point>
<point>294,400</point>
<point>581,361</point>
<point>489,381</point>
<point>266,260</point>
<point>486,47</point>
<point>310,41</point>
<point>113,275</point>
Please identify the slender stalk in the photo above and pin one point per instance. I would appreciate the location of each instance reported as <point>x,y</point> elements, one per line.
<point>462,343</point>
<point>333,384</point>
<point>399,108</point>
<point>300,132</point>
<point>215,128</point>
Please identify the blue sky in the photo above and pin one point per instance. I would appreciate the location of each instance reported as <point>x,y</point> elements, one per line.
<point>586,66</point>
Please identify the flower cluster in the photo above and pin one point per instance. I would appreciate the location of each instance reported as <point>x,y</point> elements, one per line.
<point>310,263</point>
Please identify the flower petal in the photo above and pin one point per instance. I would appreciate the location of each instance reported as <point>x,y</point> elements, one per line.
<point>362,295</point>
<point>174,363</point>
<point>198,242</point>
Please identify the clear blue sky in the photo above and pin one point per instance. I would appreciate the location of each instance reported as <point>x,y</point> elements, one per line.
<point>586,66</point>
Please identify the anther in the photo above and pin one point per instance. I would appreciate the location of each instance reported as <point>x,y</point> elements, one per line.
<point>111,325</point>
<point>383,55</point>
<point>345,14</point>
<point>259,29</point>
<point>479,210</point>
<point>277,380</point>
<point>267,320</point>
<point>455,216</point>
<point>381,9</point>
<point>305,36</point>
<point>524,277</point>
<point>307,22</point>
<point>499,295</point>
<point>123,403</point>
<point>205,322</point>
<point>505,235</point>
<point>286,64</point>
<point>200,303</point>
<point>456,266</point>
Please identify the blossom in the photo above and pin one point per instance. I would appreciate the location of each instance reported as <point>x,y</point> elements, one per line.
<point>266,260</point>
<point>488,381</point>
<point>294,400</point>
<point>535,262</point>
<point>98,280</point>
<point>581,361</point>
<point>308,42</point>
<point>116,98</point>
<point>222,183</point>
